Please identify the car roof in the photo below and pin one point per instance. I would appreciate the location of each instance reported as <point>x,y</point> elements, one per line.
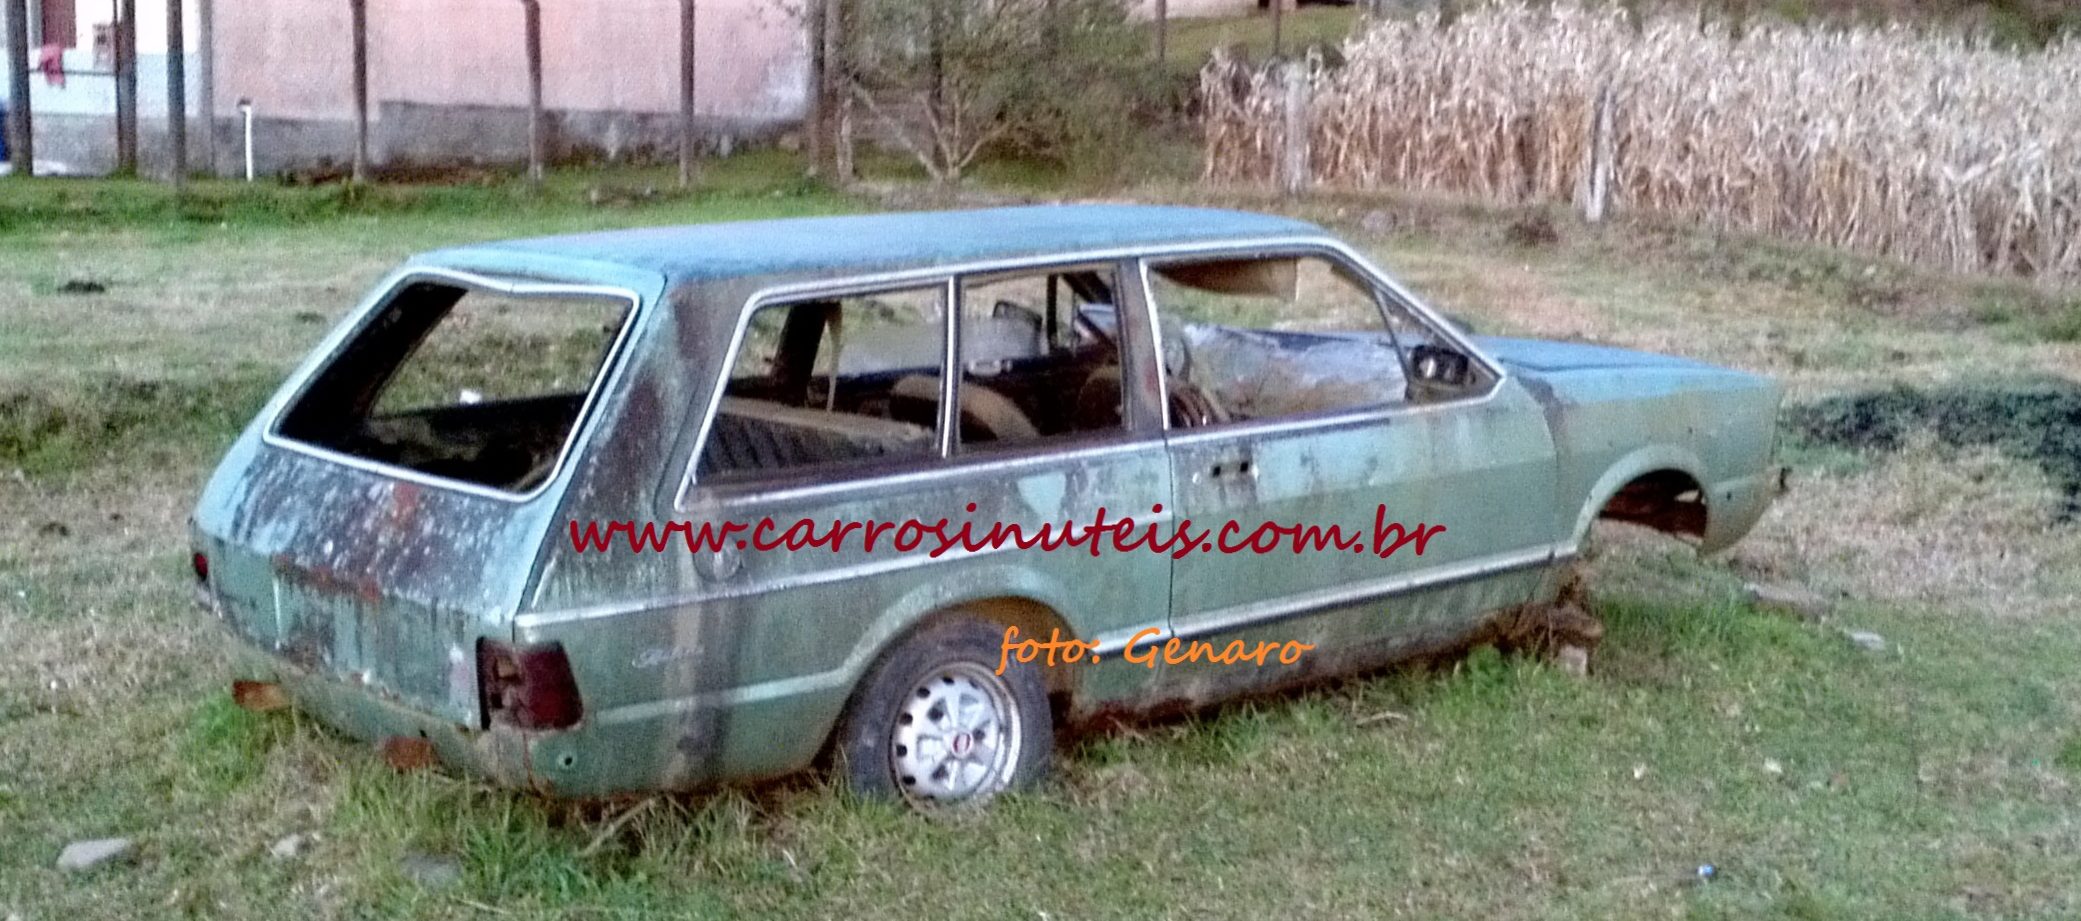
<point>825,245</point>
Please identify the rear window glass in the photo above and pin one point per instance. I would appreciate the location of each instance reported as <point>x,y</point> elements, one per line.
<point>469,384</point>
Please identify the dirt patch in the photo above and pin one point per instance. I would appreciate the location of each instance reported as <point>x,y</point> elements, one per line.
<point>2037,422</point>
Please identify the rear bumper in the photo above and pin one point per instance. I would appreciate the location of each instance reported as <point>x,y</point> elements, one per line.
<point>500,754</point>
<point>676,745</point>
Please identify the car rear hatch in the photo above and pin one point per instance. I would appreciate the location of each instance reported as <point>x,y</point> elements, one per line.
<point>374,580</point>
<point>383,514</point>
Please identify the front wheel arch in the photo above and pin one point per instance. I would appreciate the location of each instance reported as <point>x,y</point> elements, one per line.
<point>1659,487</point>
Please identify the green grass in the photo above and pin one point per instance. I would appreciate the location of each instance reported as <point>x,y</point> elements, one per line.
<point>1936,780</point>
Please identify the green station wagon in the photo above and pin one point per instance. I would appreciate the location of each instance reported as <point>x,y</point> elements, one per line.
<point>598,514</point>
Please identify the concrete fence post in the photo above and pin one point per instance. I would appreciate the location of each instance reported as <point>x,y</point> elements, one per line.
<point>1293,148</point>
<point>1597,191</point>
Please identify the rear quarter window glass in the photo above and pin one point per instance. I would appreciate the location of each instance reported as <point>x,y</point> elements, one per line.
<point>471,384</point>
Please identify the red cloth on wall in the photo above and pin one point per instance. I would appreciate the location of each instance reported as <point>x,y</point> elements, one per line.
<point>52,63</point>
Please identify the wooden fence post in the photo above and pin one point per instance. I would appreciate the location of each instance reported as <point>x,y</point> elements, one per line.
<point>1278,28</point>
<point>126,88</point>
<point>206,83</point>
<point>360,27</point>
<point>1293,148</point>
<point>537,137</point>
<point>687,35</point>
<point>1163,28</point>
<point>177,93</point>
<point>21,140</point>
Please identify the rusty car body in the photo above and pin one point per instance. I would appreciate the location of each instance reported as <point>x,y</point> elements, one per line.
<point>412,573</point>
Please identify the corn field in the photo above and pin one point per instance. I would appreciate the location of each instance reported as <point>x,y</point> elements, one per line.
<point>1935,149</point>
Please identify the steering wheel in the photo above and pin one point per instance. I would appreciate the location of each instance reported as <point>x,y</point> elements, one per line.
<point>1098,402</point>
<point>1192,406</point>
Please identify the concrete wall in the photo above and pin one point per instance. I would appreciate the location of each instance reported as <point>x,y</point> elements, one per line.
<point>447,80</point>
<point>93,93</point>
<point>292,56</point>
<point>1191,9</point>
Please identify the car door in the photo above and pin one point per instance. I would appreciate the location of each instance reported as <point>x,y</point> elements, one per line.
<point>1342,513</point>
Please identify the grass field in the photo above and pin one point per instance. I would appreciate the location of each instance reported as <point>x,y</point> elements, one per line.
<point>1938,779</point>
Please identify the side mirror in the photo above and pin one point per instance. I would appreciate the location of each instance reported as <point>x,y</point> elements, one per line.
<point>1436,370</point>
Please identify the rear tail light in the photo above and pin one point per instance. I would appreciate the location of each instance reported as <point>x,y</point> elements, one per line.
<point>528,686</point>
<point>200,562</point>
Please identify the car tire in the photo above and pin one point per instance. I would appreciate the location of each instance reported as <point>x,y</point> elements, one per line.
<point>934,726</point>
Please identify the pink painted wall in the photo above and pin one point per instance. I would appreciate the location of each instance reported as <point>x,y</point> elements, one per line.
<point>292,57</point>
<point>1184,9</point>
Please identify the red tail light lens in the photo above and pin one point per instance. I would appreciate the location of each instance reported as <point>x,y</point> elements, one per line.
<point>527,686</point>
<point>201,564</point>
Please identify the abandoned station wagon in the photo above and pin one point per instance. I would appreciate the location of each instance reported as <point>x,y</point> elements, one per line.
<point>404,534</point>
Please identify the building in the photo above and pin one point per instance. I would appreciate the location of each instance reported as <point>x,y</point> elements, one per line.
<point>447,78</point>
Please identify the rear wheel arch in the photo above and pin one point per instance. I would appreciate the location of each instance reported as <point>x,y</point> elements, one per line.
<point>1035,619</point>
<point>963,636</point>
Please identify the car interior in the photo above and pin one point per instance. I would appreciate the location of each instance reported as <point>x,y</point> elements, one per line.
<point>839,386</point>
<point>1040,359</point>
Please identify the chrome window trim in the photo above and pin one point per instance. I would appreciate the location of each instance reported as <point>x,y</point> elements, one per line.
<point>1112,641</point>
<point>948,274</point>
<point>581,428</point>
<point>1008,462</point>
<point>792,294</point>
<point>1163,374</point>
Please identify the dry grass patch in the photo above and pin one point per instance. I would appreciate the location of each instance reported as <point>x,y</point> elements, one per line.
<point>1972,530</point>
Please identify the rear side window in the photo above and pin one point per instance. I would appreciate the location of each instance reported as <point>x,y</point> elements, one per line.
<point>477,385</point>
<point>832,382</point>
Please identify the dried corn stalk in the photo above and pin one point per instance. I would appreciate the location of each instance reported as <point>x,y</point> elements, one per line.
<point>1936,149</point>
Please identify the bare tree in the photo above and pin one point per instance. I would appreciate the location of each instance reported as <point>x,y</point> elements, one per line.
<point>945,79</point>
